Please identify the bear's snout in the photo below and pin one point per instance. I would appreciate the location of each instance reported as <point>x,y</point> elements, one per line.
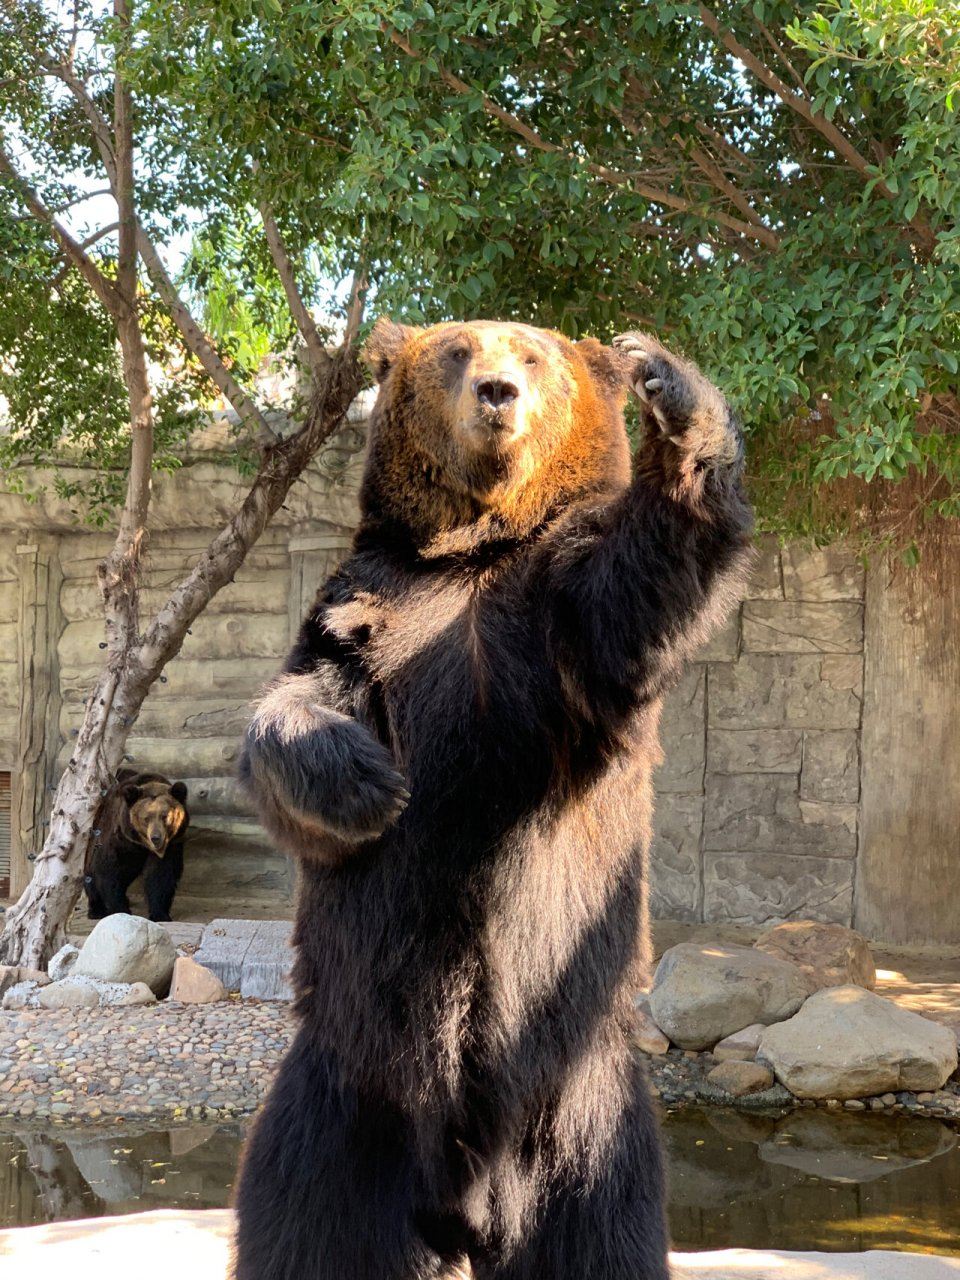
<point>495,391</point>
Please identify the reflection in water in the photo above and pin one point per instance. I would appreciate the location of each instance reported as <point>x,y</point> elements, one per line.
<point>809,1180</point>
<point>813,1179</point>
<point>97,1170</point>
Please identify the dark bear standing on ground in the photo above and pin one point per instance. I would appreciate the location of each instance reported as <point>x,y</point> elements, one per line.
<point>460,753</point>
<point>141,827</point>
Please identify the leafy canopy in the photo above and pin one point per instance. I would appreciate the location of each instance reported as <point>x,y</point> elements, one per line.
<point>773,187</point>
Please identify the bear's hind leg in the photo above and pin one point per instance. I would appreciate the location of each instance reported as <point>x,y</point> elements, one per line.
<point>328,1184</point>
<point>599,1211</point>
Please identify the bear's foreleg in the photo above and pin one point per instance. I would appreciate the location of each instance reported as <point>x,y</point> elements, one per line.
<point>637,587</point>
<point>160,880</point>
<point>316,772</point>
<point>328,1186</point>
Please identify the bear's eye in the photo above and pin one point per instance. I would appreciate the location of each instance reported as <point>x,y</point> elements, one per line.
<point>459,353</point>
<point>531,360</point>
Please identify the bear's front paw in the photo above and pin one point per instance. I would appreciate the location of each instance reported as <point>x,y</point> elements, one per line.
<point>323,769</point>
<point>687,409</point>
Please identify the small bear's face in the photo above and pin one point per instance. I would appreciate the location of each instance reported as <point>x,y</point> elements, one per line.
<point>157,813</point>
<point>488,410</point>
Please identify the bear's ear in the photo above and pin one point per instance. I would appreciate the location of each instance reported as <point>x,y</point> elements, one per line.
<point>131,795</point>
<point>179,792</point>
<point>602,362</point>
<point>385,343</point>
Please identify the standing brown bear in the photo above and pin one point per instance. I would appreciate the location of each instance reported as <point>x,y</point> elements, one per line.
<point>140,830</point>
<point>459,753</point>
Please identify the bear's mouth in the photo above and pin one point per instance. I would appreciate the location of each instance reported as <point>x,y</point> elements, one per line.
<point>495,429</point>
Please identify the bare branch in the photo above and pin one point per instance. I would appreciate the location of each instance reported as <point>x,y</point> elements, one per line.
<point>795,101</point>
<point>316,352</point>
<point>798,103</point>
<point>101,286</point>
<point>118,570</point>
<point>778,49</point>
<point>358,295</point>
<point>197,341</point>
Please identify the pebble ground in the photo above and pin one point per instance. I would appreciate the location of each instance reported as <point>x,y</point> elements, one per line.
<point>159,1062</point>
<point>171,1062</point>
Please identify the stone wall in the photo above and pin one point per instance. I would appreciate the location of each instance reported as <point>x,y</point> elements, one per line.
<point>757,815</point>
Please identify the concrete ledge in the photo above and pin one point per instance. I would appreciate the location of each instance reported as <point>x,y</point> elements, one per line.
<point>194,1245</point>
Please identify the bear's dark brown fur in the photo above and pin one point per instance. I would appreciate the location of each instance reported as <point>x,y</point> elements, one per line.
<point>460,753</point>
<point>140,828</point>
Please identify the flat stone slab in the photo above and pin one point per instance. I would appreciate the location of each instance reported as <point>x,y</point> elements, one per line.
<point>194,1245</point>
<point>253,957</point>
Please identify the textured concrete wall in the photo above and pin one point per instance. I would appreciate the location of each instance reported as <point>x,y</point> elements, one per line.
<point>758,813</point>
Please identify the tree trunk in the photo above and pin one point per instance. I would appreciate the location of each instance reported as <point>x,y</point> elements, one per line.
<point>35,926</point>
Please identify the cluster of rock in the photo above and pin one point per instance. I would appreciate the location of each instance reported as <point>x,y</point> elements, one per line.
<point>126,960</point>
<point>798,1007</point>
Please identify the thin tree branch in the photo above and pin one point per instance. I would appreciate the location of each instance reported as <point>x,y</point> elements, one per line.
<point>85,195</point>
<point>355,305</point>
<point>715,177</point>
<point>778,49</point>
<point>101,286</point>
<point>316,352</point>
<point>197,342</point>
<point>795,101</point>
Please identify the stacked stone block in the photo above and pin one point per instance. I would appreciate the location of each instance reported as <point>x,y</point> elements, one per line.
<point>758,798</point>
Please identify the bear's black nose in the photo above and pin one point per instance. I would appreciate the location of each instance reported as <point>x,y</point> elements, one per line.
<point>156,841</point>
<point>495,392</point>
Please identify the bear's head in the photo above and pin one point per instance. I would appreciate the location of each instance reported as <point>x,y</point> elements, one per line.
<point>493,423</point>
<point>156,812</point>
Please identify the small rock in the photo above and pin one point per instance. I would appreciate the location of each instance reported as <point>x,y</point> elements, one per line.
<point>195,984</point>
<point>69,995</point>
<point>128,949</point>
<point>136,993</point>
<point>740,1078</point>
<point>742,1046</point>
<point>832,955</point>
<point>22,995</point>
<point>647,1035</point>
<point>850,1043</point>
<point>834,1104</point>
<point>63,962</point>
<point>924,1097</point>
<point>854,1104</point>
<point>888,1099</point>
<point>702,993</point>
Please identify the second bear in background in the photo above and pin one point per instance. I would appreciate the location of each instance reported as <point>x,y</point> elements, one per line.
<point>140,829</point>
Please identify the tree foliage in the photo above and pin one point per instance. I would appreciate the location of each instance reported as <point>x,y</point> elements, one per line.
<point>775,186</point>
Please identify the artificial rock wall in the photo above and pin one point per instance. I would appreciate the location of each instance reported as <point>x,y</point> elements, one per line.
<point>758,799</point>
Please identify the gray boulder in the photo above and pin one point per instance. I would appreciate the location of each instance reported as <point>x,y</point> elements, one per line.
<point>849,1043</point>
<point>128,949</point>
<point>702,993</point>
